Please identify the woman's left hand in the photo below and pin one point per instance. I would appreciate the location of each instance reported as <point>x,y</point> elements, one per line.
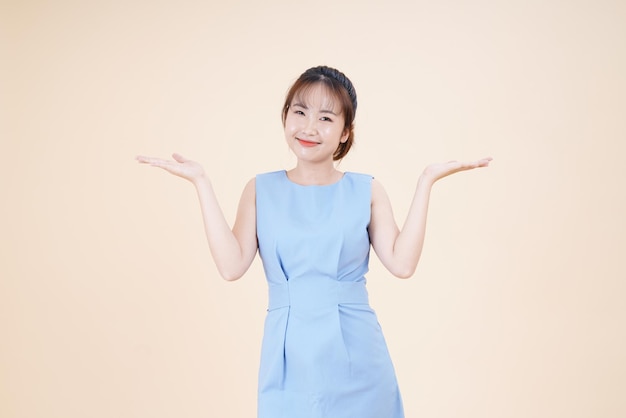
<point>438,171</point>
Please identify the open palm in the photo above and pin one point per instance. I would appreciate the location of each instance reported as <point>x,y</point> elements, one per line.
<point>179,166</point>
<point>438,171</point>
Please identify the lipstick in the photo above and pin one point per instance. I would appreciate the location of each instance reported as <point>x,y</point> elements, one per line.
<point>307,144</point>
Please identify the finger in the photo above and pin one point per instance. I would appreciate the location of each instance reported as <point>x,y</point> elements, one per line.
<point>484,162</point>
<point>179,158</point>
<point>149,160</point>
<point>478,163</point>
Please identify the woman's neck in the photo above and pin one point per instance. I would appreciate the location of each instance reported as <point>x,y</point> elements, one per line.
<point>314,175</point>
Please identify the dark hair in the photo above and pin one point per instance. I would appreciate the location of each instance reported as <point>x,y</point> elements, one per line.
<point>343,90</point>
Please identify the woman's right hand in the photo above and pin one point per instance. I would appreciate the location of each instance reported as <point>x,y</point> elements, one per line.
<point>180,167</point>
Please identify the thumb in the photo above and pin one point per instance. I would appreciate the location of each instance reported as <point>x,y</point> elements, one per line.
<point>179,158</point>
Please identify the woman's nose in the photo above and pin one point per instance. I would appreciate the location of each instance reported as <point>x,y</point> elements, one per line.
<point>311,126</point>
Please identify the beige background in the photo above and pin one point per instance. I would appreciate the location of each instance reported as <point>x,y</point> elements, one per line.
<point>110,305</point>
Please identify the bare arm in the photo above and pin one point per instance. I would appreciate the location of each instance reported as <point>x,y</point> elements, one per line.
<point>400,250</point>
<point>232,250</point>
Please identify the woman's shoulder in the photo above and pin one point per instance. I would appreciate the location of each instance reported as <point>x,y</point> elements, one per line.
<point>269,179</point>
<point>360,177</point>
<point>270,174</point>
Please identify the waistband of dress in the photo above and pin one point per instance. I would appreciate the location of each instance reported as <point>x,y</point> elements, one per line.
<point>316,293</point>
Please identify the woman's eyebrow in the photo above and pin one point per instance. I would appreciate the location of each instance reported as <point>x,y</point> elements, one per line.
<point>303,106</point>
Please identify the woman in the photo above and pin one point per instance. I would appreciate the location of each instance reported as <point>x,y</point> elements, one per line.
<point>323,352</point>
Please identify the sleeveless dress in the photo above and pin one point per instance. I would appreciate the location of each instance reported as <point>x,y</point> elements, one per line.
<point>323,353</point>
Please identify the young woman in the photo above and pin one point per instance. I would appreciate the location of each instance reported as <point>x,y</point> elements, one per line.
<point>323,352</point>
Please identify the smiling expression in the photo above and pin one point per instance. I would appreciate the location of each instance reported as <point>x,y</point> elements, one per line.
<point>314,124</point>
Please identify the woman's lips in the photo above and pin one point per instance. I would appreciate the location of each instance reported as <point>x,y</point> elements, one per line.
<point>307,144</point>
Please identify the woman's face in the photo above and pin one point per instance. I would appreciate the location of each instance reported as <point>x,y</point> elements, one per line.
<point>314,126</point>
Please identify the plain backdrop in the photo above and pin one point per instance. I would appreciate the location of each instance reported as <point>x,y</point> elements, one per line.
<point>110,305</point>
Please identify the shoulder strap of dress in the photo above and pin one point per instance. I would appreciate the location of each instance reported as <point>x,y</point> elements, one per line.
<point>360,176</point>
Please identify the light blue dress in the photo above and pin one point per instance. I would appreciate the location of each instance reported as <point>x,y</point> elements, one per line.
<point>323,352</point>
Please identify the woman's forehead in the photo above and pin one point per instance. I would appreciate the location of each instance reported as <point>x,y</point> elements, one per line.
<point>316,95</point>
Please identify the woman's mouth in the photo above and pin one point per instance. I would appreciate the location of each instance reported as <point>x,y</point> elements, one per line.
<point>307,144</point>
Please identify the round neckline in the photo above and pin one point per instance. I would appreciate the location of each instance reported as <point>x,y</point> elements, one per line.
<point>343,176</point>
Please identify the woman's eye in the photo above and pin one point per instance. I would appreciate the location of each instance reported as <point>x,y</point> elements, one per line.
<point>298,112</point>
<point>326,119</point>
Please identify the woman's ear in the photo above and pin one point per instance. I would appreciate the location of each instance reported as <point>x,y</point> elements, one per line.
<point>345,135</point>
